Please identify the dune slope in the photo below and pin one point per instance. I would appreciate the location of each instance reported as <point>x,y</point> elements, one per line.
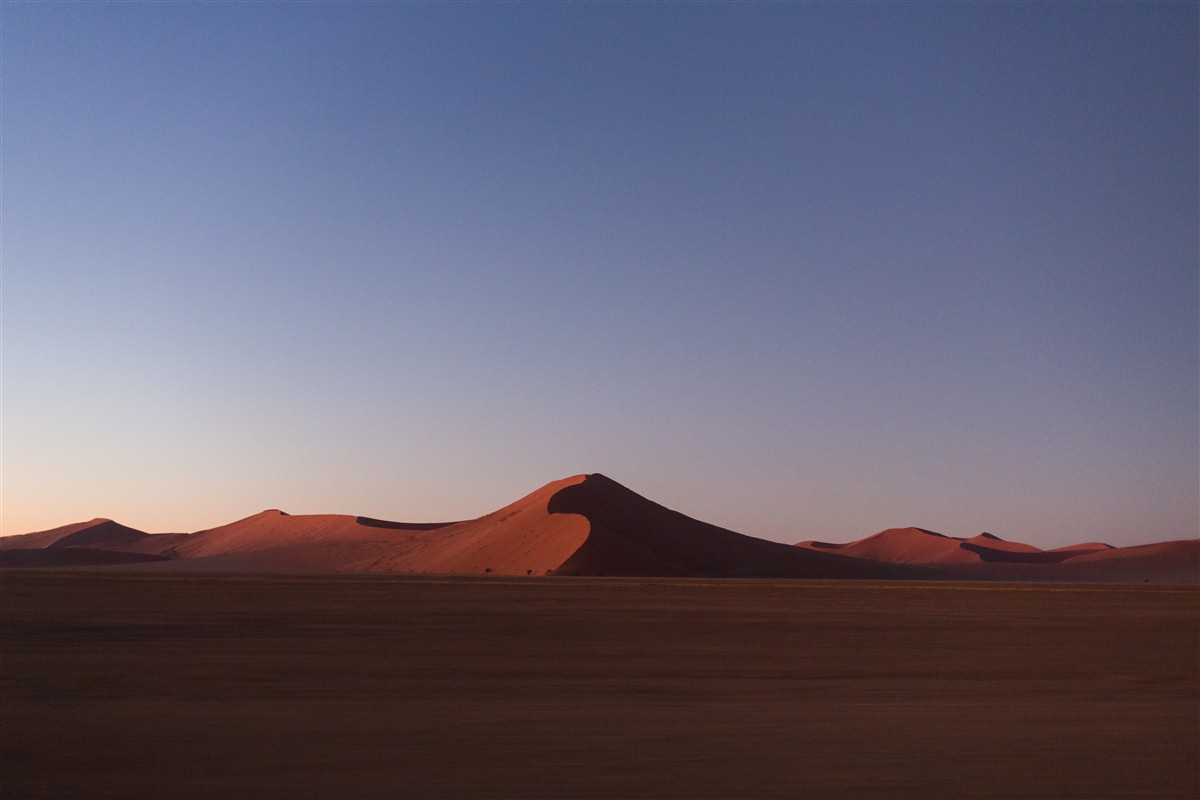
<point>630,535</point>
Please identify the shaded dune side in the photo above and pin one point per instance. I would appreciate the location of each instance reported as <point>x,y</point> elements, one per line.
<point>48,538</point>
<point>371,522</point>
<point>631,536</point>
<point>1180,559</point>
<point>104,535</point>
<point>992,555</point>
<point>1171,562</point>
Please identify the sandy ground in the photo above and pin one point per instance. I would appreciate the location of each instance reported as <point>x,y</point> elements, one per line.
<point>379,686</point>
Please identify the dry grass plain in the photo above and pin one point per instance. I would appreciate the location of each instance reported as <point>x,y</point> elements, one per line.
<point>155,686</point>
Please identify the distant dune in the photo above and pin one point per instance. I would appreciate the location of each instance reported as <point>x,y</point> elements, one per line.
<point>99,532</point>
<point>583,525</point>
<point>901,546</point>
<point>989,556</point>
<point>95,542</point>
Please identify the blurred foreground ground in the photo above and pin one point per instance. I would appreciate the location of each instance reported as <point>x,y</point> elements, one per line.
<point>142,686</point>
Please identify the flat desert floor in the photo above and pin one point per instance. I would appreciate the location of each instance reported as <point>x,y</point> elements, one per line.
<point>158,686</point>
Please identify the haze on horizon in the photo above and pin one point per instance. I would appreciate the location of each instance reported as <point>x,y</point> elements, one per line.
<point>799,270</point>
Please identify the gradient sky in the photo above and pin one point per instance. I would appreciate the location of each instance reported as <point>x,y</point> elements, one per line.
<point>800,270</point>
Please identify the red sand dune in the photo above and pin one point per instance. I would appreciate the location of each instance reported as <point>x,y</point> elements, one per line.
<point>903,546</point>
<point>583,525</point>
<point>97,532</point>
<point>95,542</point>
<point>630,535</point>
<point>920,546</point>
<point>1179,559</point>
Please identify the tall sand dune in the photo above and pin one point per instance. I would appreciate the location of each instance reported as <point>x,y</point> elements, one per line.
<point>630,535</point>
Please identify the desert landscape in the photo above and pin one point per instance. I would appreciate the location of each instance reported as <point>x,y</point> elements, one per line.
<point>544,400</point>
<point>579,526</point>
<point>587,642</point>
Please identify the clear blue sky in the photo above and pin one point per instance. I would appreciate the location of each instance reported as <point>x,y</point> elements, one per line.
<point>801,270</point>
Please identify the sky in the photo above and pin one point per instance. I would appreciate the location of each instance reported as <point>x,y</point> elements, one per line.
<point>799,270</point>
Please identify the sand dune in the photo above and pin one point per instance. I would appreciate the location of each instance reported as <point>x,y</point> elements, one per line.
<point>523,538</point>
<point>1178,560</point>
<point>902,546</point>
<point>519,539</point>
<point>97,532</point>
<point>924,547</point>
<point>630,535</point>
<point>582,525</point>
<point>95,542</point>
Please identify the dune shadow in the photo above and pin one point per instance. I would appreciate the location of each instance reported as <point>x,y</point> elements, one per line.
<point>107,532</point>
<point>400,526</point>
<point>992,555</point>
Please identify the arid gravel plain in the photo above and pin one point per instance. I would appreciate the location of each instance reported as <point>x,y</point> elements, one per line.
<point>155,686</point>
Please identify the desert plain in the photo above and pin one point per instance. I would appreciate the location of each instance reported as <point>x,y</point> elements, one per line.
<point>149,685</point>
